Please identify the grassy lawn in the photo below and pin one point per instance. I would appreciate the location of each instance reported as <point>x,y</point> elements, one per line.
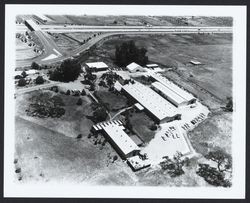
<point>113,101</point>
<point>141,123</point>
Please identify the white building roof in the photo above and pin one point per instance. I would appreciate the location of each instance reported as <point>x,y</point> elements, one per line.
<point>152,65</point>
<point>195,62</point>
<point>169,93</point>
<point>133,66</point>
<point>150,100</point>
<point>31,71</point>
<point>138,106</point>
<point>97,65</point>
<point>175,88</point>
<point>120,138</point>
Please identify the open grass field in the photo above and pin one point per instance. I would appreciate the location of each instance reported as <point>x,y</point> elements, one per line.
<point>214,133</point>
<point>176,50</point>
<point>72,123</point>
<point>23,51</point>
<point>65,43</point>
<point>46,156</point>
<point>141,20</point>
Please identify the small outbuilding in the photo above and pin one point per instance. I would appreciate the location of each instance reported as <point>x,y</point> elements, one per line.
<point>134,67</point>
<point>195,62</point>
<point>97,66</point>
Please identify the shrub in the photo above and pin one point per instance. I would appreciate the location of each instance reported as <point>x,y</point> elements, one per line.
<point>18,170</point>
<point>83,93</point>
<point>18,77</point>
<point>79,102</point>
<point>39,80</point>
<point>68,92</point>
<point>153,127</point>
<point>24,74</point>
<point>21,82</point>
<point>35,66</point>
<point>115,158</point>
<point>79,136</point>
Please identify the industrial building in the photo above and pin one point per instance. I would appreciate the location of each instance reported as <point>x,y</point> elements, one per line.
<point>175,90</point>
<point>97,66</point>
<point>114,131</point>
<point>159,108</point>
<point>134,67</point>
<point>170,95</point>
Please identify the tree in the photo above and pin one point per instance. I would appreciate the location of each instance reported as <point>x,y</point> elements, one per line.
<point>115,158</point>
<point>229,105</point>
<point>83,93</point>
<point>21,82</point>
<point>100,114</point>
<point>68,92</point>
<point>79,102</point>
<point>18,77</point>
<point>35,66</point>
<point>68,71</point>
<point>174,166</point>
<point>213,176</point>
<point>223,160</point>
<point>127,53</point>
<point>24,74</point>
<point>39,80</point>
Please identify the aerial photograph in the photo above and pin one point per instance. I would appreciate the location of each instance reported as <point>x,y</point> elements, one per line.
<point>123,100</point>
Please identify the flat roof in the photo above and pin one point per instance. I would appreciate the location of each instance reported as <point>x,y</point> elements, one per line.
<point>151,100</point>
<point>97,65</point>
<point>175,88</point>
<point>153,65</point>
<point>138,106</point>
<point>168,92</point>
<point>120,138</point>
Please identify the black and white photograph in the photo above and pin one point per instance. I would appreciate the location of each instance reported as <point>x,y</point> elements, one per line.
<point>125,101</point>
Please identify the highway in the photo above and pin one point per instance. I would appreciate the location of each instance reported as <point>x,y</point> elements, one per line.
<point>53,54</point>
<point>82,28</point>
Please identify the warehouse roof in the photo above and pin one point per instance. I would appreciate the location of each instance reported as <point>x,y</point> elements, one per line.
<point>150,100</point>
<point>97,65</point>
<point>133,66</point>
<point>120,138</point>
<point>175,88</point>
<point>169,92</point>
